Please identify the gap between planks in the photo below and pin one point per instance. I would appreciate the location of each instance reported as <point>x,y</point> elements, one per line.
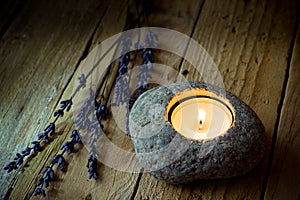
<point>280,109</point>
<point>283,181</point>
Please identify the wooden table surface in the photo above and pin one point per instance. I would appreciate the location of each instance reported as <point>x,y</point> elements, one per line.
<point>255,44</point>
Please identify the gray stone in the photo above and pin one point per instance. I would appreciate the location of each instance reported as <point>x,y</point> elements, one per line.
<point>170,157</point>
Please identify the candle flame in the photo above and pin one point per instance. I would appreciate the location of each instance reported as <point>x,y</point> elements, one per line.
<point>201,118</point>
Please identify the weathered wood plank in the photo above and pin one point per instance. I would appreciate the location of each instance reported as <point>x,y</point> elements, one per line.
<point>115,184</point>
<point>178,16</point>
<point>112,184</point>
<point>257,44</point>
<point>39,54</point>
<point>249,41</point>
<point>284,180</point>
<point>108,186</point>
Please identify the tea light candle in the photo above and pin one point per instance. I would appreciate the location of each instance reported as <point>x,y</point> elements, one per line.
<point>199,114</point>
<point>200,131</point>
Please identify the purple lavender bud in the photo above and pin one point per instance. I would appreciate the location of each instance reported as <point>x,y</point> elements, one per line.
<point>95,176</point>
<point>35,142</point>
<point>47,139</point>
<point>92,167</point>
<point>17,156</point>
<point>36,146</point>
<point>68,146</point>
<point>50,128</point>
<point>150,40</point>
<point>40,181</point>
<point>97,104</point>
<point>46,182</point>
<point>123,69</point>
<point>10,166</point>
<point>90,175</point>
<point>40,136</point>
<point>39,191</point>
<point>75,136</point>
<point>149,65</point>
<point>148,56</point>
<point>26,152</point>
<point>18,159</point>
<point>50,173</point>
<point>58,113</point>
<point>43,192</point>
<point>69,106</point>
<point>63,104</point>
<point>139,45</point>
<point>44,170</point>
<point>124,59</point>
<point>184,72</point>
<point>36,192</point>
<point>54,160</point>
<point>125,44</point>
<point>103,111</point>
<point>61,162</point>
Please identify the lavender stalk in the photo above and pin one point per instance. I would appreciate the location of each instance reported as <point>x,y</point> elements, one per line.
<point>47,174</point>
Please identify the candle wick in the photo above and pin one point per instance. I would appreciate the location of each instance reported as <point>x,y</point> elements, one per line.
<point>200,124</point>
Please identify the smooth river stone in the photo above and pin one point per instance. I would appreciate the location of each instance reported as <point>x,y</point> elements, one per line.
<point>170,157</point>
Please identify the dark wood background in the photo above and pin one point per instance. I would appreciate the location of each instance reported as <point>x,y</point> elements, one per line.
<point>255,43</point>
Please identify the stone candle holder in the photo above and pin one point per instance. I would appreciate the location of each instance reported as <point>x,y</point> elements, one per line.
<point>174,158</point>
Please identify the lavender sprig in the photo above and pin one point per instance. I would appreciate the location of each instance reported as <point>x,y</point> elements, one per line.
<point>123,92</point>
<point>92,167</point>
<point>91,114</point>
<point>47,173</point>
<point>151,40</point>
<point>83,121</point>
<point>122,88</point>
<point>148,58</point>
<point>101,112</point>
<point>146,65</point>
<point>44,136</point>
<point>64,105</point>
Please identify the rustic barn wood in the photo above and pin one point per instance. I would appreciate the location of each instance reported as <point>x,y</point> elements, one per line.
<point>283,182</point>
<point>255,45</point>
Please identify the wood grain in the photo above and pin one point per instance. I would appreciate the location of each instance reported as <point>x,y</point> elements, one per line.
<point>123,183</point>
<point>284,181</point>
<point>250,43</point>
<point>39,54</point>
<point>112,184</point>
